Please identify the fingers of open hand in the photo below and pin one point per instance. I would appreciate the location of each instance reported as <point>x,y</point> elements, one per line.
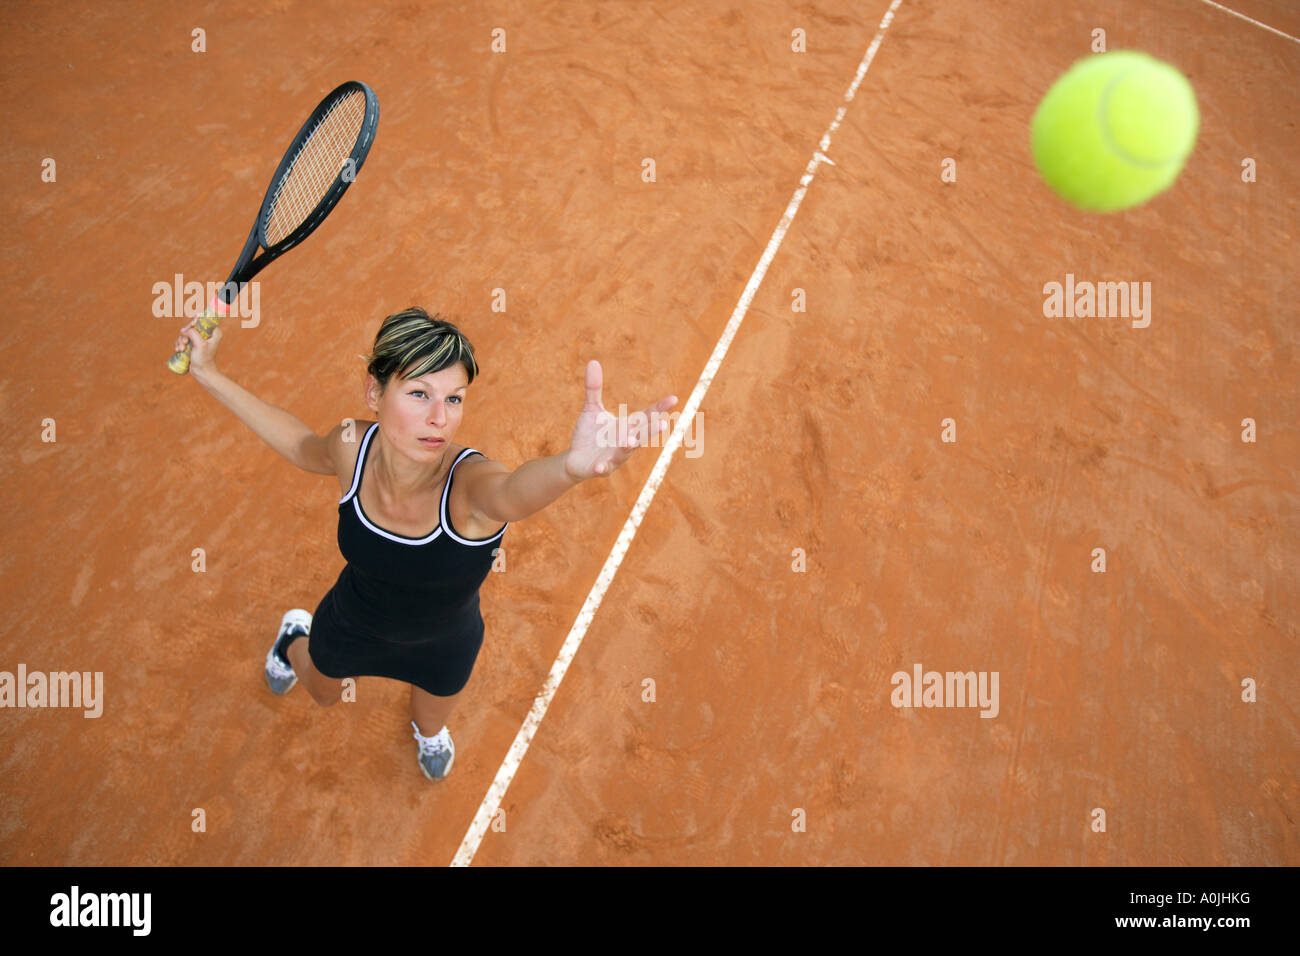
<point>594,383</point>
<point>652,423</point>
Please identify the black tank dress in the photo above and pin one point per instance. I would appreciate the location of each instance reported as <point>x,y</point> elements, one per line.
<point>403,608</point>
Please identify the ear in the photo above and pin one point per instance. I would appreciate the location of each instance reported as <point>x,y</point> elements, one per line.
<point>371,393</point>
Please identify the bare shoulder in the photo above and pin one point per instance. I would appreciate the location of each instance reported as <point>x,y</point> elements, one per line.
<point>344,441</point>
<point>473,467</point>
<point>476,478</point>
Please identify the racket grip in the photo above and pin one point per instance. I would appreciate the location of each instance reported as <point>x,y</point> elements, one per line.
<point>205,325</point>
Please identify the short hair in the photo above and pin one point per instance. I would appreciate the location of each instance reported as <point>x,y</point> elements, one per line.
<point>421,342</point>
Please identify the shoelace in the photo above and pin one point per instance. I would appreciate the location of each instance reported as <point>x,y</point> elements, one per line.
<point>431,745</point>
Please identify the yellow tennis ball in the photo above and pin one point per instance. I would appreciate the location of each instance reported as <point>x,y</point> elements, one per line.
<point>1115,130</point>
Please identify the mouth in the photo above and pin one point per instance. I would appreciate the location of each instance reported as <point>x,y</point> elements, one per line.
<point>433,442</point>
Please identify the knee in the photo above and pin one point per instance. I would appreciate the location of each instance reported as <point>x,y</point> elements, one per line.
<point>325,692</point>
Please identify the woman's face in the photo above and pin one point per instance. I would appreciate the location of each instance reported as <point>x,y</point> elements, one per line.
<point>413,411</point>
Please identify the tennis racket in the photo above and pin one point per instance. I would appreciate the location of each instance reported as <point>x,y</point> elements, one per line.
<point>317,168</point>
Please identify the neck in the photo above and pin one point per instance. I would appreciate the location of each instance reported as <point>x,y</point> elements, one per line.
<point>403,477</point>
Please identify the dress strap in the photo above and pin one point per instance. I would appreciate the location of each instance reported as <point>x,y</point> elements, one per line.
<point>446,491</point>
<point>361,460</point>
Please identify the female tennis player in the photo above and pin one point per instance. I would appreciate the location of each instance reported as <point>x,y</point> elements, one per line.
<point>406,604</point>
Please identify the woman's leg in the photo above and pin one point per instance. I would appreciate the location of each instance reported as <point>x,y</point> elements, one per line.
<point>326,691</point>
<point>430,713</point>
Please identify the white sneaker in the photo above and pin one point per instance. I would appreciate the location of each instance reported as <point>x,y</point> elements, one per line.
<point>279,674</point>
<point>435,754</point>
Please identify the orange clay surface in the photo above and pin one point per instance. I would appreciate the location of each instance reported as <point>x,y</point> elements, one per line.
<point>822,431</point>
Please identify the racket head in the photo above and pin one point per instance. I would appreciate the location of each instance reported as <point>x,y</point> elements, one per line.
<point>319,165</point>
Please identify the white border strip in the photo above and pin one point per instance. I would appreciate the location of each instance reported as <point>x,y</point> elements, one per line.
<point>492,800</point>
<point>1262,26</point>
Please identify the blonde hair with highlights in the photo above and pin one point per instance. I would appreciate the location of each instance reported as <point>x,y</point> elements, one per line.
<point>424,343</point>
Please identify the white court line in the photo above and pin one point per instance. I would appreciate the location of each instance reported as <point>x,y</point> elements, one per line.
<point>1264,26</point>
<point>492,801</point>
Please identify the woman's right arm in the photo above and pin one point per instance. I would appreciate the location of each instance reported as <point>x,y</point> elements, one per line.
<point>288,435</point>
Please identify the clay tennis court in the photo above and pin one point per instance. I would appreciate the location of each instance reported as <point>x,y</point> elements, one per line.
<point>820,436</point>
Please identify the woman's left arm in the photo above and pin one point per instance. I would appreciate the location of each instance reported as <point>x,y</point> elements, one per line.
<point>599,445</point>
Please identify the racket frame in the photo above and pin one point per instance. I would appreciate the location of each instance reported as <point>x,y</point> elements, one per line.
<point>356,158</point>
<point>247,267</point>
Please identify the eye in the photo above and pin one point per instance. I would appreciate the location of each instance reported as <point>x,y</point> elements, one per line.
<point>421,392</point>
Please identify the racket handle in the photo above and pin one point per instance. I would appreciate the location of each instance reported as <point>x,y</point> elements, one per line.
<point>205,325</point>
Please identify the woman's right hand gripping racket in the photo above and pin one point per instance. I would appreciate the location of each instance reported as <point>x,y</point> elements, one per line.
<point>317,168</point>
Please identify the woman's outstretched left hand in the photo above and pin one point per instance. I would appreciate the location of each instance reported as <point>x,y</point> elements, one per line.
<point>600,442</point>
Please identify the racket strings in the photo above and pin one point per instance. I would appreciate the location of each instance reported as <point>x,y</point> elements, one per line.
<point>316,165</point>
